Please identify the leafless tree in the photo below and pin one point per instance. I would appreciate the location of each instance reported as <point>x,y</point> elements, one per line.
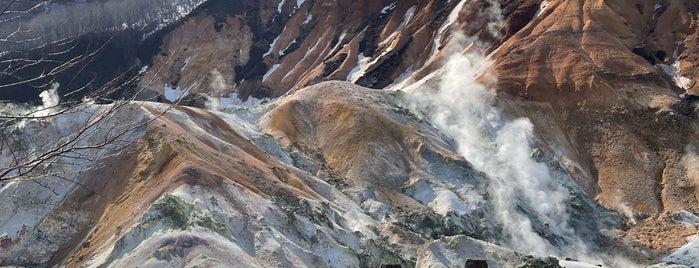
<point>98,131</point>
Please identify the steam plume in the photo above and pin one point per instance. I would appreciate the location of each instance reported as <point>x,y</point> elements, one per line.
<point>527,199</point>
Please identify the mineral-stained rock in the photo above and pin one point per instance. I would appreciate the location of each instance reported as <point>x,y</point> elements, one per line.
<point>334,173</point>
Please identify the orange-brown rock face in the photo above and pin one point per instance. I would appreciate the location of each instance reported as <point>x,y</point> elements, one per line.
<point>337,169</point>
<point>199,53</point>
<point>600,67</point>
<point>599,79</point>
<point>264,52</point>
<point>348,125</point>
<point>172,157</point>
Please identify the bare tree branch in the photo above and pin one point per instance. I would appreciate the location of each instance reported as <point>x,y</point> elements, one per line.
<point>99,134</point>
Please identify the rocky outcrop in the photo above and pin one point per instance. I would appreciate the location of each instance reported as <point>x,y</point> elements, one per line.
<point>600,65</point>
<point>608,74</point>
<point>349,179</point>
<point>367,42</point>
<point>337,169</point>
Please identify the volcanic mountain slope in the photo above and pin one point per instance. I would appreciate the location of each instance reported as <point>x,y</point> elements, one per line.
<point>342,175</point>
<point>270,49</point>
<point>605,75</point>
<point>599,79</point>
<point>347,180</point>
<point>602,76</point>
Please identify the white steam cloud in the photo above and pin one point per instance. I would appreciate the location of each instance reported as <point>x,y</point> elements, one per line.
<point>521,189</point>
<point>49,100</point>
<point>49,97</point>
<point>217,86</point>
<point>218,83</point>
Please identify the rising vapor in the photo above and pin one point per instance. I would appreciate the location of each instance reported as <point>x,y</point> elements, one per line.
<point>522,189</point>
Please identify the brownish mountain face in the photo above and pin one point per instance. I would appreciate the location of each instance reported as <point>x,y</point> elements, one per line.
<point>600,67</point>
<point>344,133</point>
<point>596,73</point>
<point>276,47</point>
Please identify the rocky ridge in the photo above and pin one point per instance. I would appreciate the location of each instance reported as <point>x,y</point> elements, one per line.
<point>599,81</point>
<point>201,181</point>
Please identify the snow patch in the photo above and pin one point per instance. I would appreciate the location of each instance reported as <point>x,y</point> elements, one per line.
<point>453,16</point>
<point>673,71</point>
<point>407,17</point>
<point>281,52</point>
<point>388,8</point>
<point>309,17</point>
<point>337,45</point>
<point>308,52</point>
<point>447,201</point>
<point>363,64</point>
<point>271,70</point>
<point>542,7</point>
<point>401,78</point>
<point>143,69</point>
<point>686,255</point>
<point>186,62</point>
<point>271,46</point>
<point>233,101</point>
<point>409,86</point>
<point>657,9</point>
<point>279,7</point>
<point>358,71</point>
<point>175,94</point>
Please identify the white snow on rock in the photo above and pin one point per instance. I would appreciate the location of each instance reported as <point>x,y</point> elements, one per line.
<point>542,7</point>
<point>281,51</point>
<point>686,255</point>
<point>309,17</point>
<point>279,7</point>
<point>453,16</point>
<point>358,71</point>
<point>271,46</point>
<point>407,16</point>
<point>233,101</point>
<point>391,38</point>
<point>270,72</point>
<point>447,201</point>
<point>673,71</point>
<point>175,94</point>
<point>340,39</point>
<point>401,78</point>
<point>388,8</point>
<point>186,62</point>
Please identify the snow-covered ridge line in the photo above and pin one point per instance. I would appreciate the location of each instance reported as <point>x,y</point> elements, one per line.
<point>273,44</point>
<point>453,16</point>
<point>77,19</point>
